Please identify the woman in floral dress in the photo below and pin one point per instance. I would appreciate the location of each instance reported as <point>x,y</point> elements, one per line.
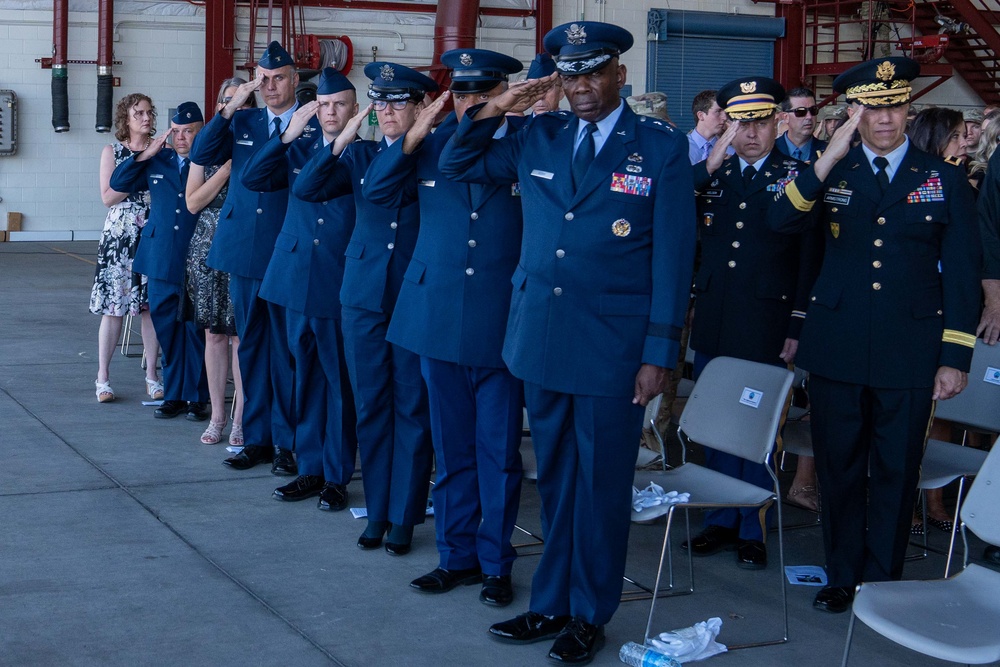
<point>117,291</point>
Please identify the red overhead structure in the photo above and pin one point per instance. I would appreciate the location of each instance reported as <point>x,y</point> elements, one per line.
<point>220,33</point>
<point>105,56</point>
<point>60,70</point>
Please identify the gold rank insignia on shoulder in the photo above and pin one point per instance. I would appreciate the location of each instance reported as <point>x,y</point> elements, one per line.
<point>953,160</point>
<point>635,157</point>
<point>621,227</point>
<point>835,229</point>
<point>767,174</point>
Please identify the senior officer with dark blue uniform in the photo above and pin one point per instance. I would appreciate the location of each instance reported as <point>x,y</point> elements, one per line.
<point>452,311</point>
<point>244,242</point>
<point>600,295</point>
<point>304,276</point>
<point>752,285</point>
<point>162,257</point>
<point>390,397</point>
<point>890,324</point>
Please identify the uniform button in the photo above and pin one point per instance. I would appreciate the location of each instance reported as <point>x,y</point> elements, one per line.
<point>784,297</point>
<point>736,244</point>
<point>177,210</point>
<point>877,264</point>
<point>469,271</point>
<point>940,312</point>
<point>560,253</point>
<point>878,243</point>
<point>474,216</point>
<point>259,211</point>
<point>391,246</point>
<point>324,203</point>
<point>739,225</point>
<point>557,291</point>
<point>393,225</point>
<point>315,241</point>
<point>812,298</point>
<point>928,218</point>
<point>732,264</point>
<point>320,221</point>
<point>834,209</point>
<point>569,216</point>
<point>181,194</point>
<point>743,205</point>
<point>876,286</point>
<point>472,243</point>
<point>176,228</point>
<point>881,221</point>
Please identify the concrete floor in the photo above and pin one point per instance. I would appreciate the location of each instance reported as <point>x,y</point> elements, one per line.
<point>126,542</point>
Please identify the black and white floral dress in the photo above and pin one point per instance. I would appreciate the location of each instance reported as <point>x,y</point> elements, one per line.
<point>117,291</point>
<point>208,289</point>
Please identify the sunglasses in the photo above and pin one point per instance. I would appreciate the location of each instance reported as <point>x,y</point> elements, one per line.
<point>800,112</point>
<point>398,105</point>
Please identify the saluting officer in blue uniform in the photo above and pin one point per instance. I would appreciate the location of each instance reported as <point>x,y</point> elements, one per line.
<point>891,320</point>
<point>162,257</point>
<point>390,397</point>
<point>752,285</point>
<point>244,242</point>
<point>304,276</point>
<point>600,294</point>
<point>452,311</point>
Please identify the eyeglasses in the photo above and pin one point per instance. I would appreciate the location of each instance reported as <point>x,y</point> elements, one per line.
<point>800,112</point>
<point>397,105</point>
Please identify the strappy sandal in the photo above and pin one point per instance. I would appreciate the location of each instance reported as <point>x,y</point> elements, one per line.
<point>213,434</point>
<point>806,497</point>
<point>104,392</point>
<point>155,389</point>
<point>944,525</point>
<point>236,435</point>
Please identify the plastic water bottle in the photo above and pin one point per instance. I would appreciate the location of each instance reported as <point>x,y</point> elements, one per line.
<point>637,655</point>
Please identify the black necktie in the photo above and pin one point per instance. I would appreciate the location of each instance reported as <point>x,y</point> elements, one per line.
<point>882,176</point>
<point>184,165</point>
<point>748,174</point>
<point>277,126</point>
<point>584,154</point>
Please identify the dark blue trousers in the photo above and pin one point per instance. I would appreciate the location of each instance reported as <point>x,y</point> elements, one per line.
<point>476,421</point>
<point>182,345</point>
<point>326,439</point>
<point>746,520</point>
<point>282,367</point>
<point>253,326</point>
<point>394,434</point>
<point>586,448</point>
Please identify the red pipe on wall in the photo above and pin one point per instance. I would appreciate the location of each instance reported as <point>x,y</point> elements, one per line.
<point>105,55</point>
<point>60,73</point>
<point>454,28</point>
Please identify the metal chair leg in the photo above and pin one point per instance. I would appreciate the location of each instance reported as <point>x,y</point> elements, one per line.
<point>847,646</point>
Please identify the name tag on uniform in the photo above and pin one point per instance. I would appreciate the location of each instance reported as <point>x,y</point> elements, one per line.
<point>631,185</point>
<point>712,193</point>
<point>838,196</point>
<point>296,171</point>
<point>245,142</point>
<point>429,184</point>
<point>751,397</point>
<point>515,189</point>
<point>547,175</point>
<point>156,175</point>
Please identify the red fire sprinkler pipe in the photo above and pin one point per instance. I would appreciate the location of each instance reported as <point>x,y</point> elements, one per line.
<point>60,72</point>
<point>105,77</point>
<point>454,28</point>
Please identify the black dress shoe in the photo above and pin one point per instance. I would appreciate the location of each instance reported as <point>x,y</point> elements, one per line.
<point>751,555</point>
<point>578,642</point>
<point>304,486</point>
<point>441,580</point>
<point>250,456</point>
<point>170,409</point>
<point>333,497</point>
<point>284,464</point>
<point>712,540</point>
<point>397,548</point>
<point>529,627</point>
<point>497,590</point>
<point>366,543</point>
<point>834,599</point>
<point>197,412</point>
<point>992,555</point>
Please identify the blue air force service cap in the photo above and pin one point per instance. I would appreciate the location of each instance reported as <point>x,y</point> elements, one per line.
<point>750,97</point>
<point>331,82</point>
<point>396,82</point>
<point>584,47</point>
<point>478,70</point>
<point>187,112</point>
<point>274,57</point>
<point>542,66</point>
<point>884,82</point>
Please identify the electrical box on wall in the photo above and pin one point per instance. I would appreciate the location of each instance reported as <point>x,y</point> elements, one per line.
<point>8,122</point>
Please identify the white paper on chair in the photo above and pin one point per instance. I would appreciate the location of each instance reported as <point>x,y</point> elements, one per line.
<point>751,397</point>
<point>654,495</point>
<point>690,644</point>
<point>234,449</point>
<point>805,575</point>
<point>992,375</point>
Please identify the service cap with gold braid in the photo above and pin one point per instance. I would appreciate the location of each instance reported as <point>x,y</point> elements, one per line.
<point>750,98</point>
<point>883,82</point>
